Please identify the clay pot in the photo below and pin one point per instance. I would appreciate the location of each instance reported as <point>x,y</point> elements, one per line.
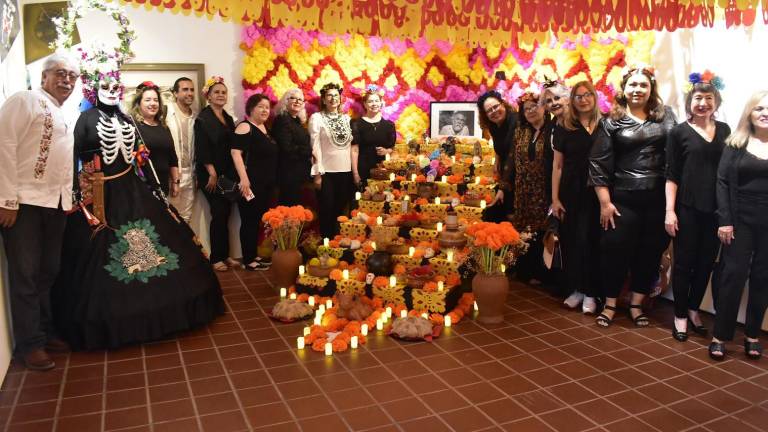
<point>417,282</point>
<point>491,295</point>
<point>426,190</point>
<point>379,263</point>
<point>452,238</point>
<point>285,267</point>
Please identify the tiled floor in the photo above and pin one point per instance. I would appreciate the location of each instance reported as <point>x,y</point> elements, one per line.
<point>544,369</point>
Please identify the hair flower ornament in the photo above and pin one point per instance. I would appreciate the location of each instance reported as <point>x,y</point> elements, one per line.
<point>639,68</point>
<point>210,82</point>
<point>706,77</point>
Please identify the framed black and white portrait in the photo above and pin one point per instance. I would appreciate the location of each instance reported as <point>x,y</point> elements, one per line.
<point>454,119</point>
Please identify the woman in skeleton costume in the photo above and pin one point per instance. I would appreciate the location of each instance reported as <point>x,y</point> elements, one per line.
<point>131,270</point>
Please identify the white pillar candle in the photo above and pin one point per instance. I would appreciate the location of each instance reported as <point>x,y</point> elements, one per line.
<point>477,180</point>
<point>482,204</point>
<point>311,301</point>
<point>503,268</point>
<point>328,304</point>
<point>353,340</point>
<point>407,197</point>
<point>411,251</point>
<point>379,324</point>
<point>449,255</point>
<point>447,321</point>
<point>437,200</point>
<point>388,311</point>
<point>393,281</point>
<point>328,349</point>
<point>318,320</point>
<point>379,220</point>
<point>307,331</point>
<point>326,242</point>
<point>475,305</point>
<point>345,274</point>
<point>387,157</point>
<point>292,296</point>
<point>300,342</point>
<point>391,176</point>
<point>444,179</point>
<point>493,160</point>
<point>373,245</point>
<point>439,227</point>
<point>283,292</point>
<point>413,177</point>
<point>301,270</point>
<point>453,159</point>
<point>425,316</point>
<point>364,329</point>
<point>321,309</point>
<point>403,313</point>
<point>440,286</point>
<point>358,195</point>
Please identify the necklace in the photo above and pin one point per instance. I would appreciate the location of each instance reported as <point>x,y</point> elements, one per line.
<point>338,129</point>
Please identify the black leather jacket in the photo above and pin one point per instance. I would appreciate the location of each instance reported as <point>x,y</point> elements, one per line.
<point>628,155</point>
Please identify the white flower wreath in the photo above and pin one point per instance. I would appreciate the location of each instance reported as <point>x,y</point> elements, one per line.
<point>97,61</point>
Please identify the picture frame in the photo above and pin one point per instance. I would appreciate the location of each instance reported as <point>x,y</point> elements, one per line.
<point>39,30</point>
<point>454,119</point>
<point>163,75</point>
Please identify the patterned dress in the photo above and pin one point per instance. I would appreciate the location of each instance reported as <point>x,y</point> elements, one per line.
<point>531,157</point>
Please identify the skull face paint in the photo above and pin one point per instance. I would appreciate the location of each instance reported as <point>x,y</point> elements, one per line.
<point>110,91</point>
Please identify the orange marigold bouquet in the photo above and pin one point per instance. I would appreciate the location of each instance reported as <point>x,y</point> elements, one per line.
<point>285,225</point>
<point>493,244</point>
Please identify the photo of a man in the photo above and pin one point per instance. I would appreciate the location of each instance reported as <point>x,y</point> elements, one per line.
<point>456,123</point>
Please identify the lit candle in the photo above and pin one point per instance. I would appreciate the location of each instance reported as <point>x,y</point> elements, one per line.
<point>283,292</point>
<point>391,176</point>
<point>373,245</point>
<point>300,342</point>
<point>447,321</point>
<point>475,304</point>
<point>387,157</point>
<point>301,270</point>
<point>444,179</point>
<point>389,311</point>
<point>407,197</point>
<point>353,340</point>
<point>292,296</point>
<point>328,304</point>
<point>439,227</point>
<point>440,286</point>
<point>493,160</point>
<point>403,313</point>
<point>393,281</point>
<point>449,255</point>
<point>482,204</point>
<point>503,268</point>
<point>311,301</point>
<point>326,242</point>
<point>453,159</point>
<point>358,195</point>
<point>328,349</point>
<point>437,200</point>
<point>379,220</point>
<point>411,251</point>
<point>318,320</point>
<point>345,274</point>
<point>379,324</point>
<point>364,329</point>
<point>413,177</point>
<point>321,310</point>
<point>307,331</point>
<point>425,316</point>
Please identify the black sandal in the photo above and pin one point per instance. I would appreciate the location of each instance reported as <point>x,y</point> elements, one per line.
<point>604,320</point>
<point>699,330</point>
<point>753,346</point>
<point>640,320</point>
<point>717,347</point>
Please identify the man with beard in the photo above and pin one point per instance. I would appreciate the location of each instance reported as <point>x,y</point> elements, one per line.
<point>181,122</point>
<point>36,148</point>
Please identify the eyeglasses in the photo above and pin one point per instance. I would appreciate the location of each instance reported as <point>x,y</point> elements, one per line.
<point>580,97</point>
<point>295,99</point>
<point>65,74</point>
<point>493,109</point>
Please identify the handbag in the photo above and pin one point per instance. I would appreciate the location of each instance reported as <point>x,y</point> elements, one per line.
<point>227,188</point>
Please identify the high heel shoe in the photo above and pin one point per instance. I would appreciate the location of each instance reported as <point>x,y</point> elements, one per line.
<point>716,347</point>
<point>753,346</point>
<point>680,336</point>
<point>699,330</point>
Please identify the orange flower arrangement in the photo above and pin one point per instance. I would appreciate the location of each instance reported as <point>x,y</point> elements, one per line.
<point>492,244</point>
<point>286,224</point>
<point>380,282</point>
<point>430,287</point>
<point>399,269</point>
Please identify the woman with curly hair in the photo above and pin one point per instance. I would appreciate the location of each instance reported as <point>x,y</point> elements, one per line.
<point>499,119</point>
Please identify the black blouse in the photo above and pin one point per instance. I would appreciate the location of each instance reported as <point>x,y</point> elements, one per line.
<point>692,164</point>
<point>628,155</point>
<point>294,143</point>
<point>213,141</point>
<point>575,145</point>
<point>260,153</point>
<point>502,138</point>
<point>367,136</point>
<point>162,153</point>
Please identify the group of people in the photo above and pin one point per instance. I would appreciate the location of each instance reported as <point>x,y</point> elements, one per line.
<point>615,187</point>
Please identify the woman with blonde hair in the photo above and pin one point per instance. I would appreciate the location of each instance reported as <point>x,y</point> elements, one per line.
<point>742,203</point>
<point>295,159</point>
<point>573,201</point>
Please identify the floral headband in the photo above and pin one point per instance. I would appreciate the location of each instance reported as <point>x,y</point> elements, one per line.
<point>147,84</point>
<point>639,68</point>
<point>212,81</point>
<point>529,95</point>
<point>706,77</point>
<point>370,90</point>
<point>331,86</point>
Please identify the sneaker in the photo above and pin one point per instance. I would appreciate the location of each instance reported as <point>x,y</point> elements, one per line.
<point>263,261</point>
<point>574,299</point>
<point>589,305</point>
<point>257,265</point>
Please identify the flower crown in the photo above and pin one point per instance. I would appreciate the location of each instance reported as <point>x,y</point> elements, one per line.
<point>372,89</point>
<point>212,81</point>
<point>331,86</point>
<point>97,61</point>
<point>147,84</point>
<point>706,77</point>
<point>528,95</point>
<point>639,68</point>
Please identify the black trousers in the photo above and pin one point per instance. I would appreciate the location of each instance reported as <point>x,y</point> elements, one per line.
<point>250,220</point>
<point>695,250</point>
<point>746,257</point>
<point>292,179</point>
<point>219,228</point>
<point>636,245</point>
<point>33,247</point>
<point>580,247</point>
<point>336,193</point>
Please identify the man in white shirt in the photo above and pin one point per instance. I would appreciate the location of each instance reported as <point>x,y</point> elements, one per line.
<point>181,122</point>
<point>36,170</point>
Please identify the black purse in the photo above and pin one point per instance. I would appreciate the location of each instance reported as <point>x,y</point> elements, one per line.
<point>227,188</point>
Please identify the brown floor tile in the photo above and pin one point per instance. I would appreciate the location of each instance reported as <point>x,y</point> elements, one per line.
<point>466,419</point>
<point>310,406</point>
<point>33,411</point>
<point>406,409</point>
<point>365,418</point>
<point>326,423</point>
<point>633,401</point>
<point>530,424</point>
<point>724,401</point>
<point>504,410</point>
<point>662,393</point>
<point>207,386</point>
<point>566,420</point>
<point>425,424</point>
<point>80,405</point>
<point>173,410</point>
<point>459,377</point>
<point>538,401</point>
<point>168,392</point>
<point>694,410</point>
<point>124,418</point>
<point>263,415</point>
<point>601,411</point>
<point>514,385</point>
<point>665,420</point>
<point>490,371</point>
<point>250,379</point>
<point>572,393</point>
<point>629,424</point>
<point>186,425</point>
<point>424,384</point>
<point>480,392</point>
<point>303,388</point>
<point>224,422</point>
<point>82,423</point>
<point>215,403</point>
<point>547,377</point>
<point>282,427</point>
<point>155,377</point>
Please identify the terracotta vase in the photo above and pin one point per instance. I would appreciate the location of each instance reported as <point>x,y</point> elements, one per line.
<point>285,267</point>
<point>491,295</point>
